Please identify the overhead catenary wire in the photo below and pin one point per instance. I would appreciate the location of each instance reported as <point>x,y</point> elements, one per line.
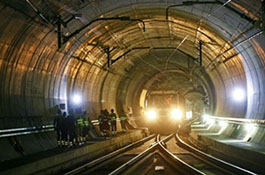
<point>184,39</point>
<point>233,47</point>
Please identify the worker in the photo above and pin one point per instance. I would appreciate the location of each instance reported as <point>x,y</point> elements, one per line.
<point>106,123</point>
<point>123,119</point>
<point>58,127</point>
<point>107,114</point>
<point>87,123</point>
<point>64,130</point>
<point>100,117</point>
<point>71,128</point>
<point>113,118</point>
<point>79,128</point>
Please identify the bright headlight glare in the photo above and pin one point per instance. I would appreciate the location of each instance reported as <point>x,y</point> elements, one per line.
<point>151,114</point>
<point>176,114</point>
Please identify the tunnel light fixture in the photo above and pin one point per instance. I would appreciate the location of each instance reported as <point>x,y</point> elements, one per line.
<point>76,99</point>
<point>239,94</point>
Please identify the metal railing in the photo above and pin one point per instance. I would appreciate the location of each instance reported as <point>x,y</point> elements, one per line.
<point>35,129</point>
<point>239,120</point>
<point>25,130</point>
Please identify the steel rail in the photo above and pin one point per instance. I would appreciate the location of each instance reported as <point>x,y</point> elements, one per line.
<point>107,157</point>
<point>212,159</point>
<point>183,164</point>
<point>139,156</point>
<point>239,120</point>
<point>160,146</point>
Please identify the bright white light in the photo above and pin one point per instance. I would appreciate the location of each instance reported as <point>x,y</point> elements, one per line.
<point>176,114</point>
<point>239,94</point>
<point>210,121</point>
<point>151,114</point>
<point>189,115</point>
<point>250,90</point>
<point>223,124</point>
<point>249,127</point>
<point>76,99</point>
<point>205,117</point>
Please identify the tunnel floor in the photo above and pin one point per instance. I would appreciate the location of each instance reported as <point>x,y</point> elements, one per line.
<point>102,142</point>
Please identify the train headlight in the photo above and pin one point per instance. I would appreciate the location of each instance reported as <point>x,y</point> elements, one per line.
<point>151,114</point>
<point>176,114</point>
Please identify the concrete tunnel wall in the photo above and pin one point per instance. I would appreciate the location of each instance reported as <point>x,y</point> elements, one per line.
<point>36,76</point>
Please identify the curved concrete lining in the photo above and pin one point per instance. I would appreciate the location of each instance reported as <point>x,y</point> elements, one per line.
<point>36,75</point>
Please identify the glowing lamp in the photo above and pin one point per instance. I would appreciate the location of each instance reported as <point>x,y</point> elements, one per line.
<point>238,94</point>
<point>76,99</point>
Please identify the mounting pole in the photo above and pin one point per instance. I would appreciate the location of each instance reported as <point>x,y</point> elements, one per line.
<point>59,32</point>
<point>200,45</point>
<point>107,50</point>
<point>263,16</point>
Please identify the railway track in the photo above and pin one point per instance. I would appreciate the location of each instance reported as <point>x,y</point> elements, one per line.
<point>158,155</point>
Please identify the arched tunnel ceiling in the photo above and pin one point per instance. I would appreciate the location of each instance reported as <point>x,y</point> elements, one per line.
<point>37,73</point>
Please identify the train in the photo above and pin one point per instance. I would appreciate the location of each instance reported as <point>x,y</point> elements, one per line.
<point>164,111</point>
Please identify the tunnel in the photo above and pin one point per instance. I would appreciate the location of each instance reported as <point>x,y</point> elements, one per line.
<point>109,54</point>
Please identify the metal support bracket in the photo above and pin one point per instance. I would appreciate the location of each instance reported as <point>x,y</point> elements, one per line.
<point>124,18</point>
<point>108,51</point>
<point>190,3</point>
<point>61,23</point>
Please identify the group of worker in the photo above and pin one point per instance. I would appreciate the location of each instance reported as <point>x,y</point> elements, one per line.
<point>71,129</point>
<point>108,122</point>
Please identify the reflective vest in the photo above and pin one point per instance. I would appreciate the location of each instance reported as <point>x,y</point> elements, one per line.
<point>123,117</point>
<point>80,121</point>
<point>86,122</point>
<point>100,117</point>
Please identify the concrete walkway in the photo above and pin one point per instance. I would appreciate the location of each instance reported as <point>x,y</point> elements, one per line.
<point>56,160</point>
